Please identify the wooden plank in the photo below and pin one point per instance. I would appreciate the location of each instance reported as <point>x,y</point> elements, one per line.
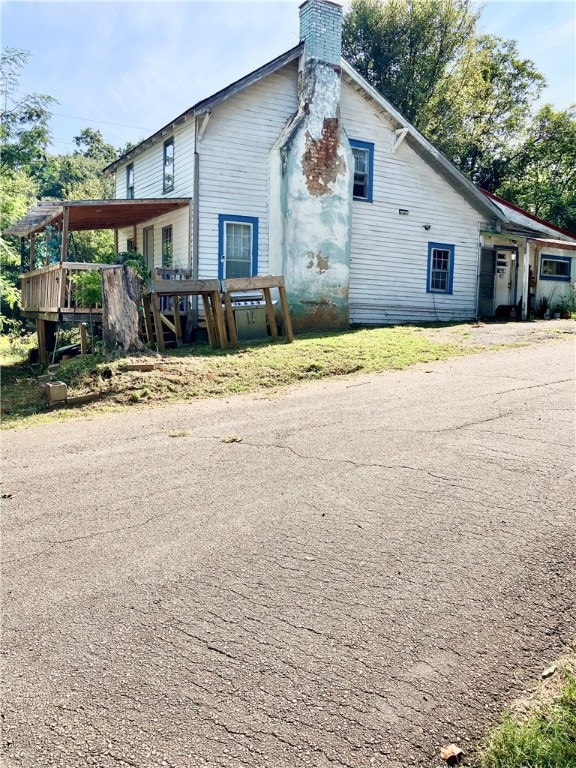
<point>270,313</point>
<point>168,323</point>
<point>183,287</point>
<point>158,323</point>
<point>32,252</point>
<point>62,288</point>
<point>41,334</point>
<point>83,339</point>
<point>40,314</point>
<point>219,322</point>
<point>252,283</point>
<point>65,224</point>
<point>177,320</point>
<point>148,319</point>
<point>230,321</point>
<point>209,321</point>
<point>288,332</point>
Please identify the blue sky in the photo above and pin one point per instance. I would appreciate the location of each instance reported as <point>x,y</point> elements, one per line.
<point>129,67</point>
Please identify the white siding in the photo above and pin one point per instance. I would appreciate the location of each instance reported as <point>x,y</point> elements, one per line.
<point>234,161</point>
<point>148,176</point>
<point>388,272</point>
<point>179,221</point>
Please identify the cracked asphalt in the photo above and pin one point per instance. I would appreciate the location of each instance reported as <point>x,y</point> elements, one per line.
<point>376,568</point>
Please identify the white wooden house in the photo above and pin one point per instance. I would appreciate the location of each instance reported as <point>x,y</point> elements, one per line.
<point>302,169</point>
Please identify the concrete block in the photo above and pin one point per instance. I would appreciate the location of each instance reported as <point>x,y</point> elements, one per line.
<point>56,391</point>
<point>43,380</point>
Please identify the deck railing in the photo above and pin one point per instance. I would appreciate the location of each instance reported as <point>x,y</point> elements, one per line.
<point>52,289</point>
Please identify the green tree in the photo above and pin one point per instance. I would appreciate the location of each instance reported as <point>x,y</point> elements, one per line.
<point>24,131</point>
<point>483,108</point>
<point>407,49</point>
<point>469,94</point>
<point>541,176</point>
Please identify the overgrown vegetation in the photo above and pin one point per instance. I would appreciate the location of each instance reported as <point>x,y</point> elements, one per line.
<point>544,738</point>
<point>198,371</point>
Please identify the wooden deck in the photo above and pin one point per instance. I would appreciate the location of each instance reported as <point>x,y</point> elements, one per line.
<point>49,293</point>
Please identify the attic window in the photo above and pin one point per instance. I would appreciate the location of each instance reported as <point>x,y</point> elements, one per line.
<point>555,268</point>
<point>168,185</point>
<point>363,152</point>
<point>130,181</point>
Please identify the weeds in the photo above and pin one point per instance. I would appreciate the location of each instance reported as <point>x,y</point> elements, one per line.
<point>546,738</point>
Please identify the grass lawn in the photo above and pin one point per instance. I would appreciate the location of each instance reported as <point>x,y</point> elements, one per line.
<point>198,371</point>
<point>545,735</point>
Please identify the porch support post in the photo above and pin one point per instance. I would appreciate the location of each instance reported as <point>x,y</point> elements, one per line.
<point>529,252</point>
<point>46,332</point>
<point>65,220</point>
<point>32,251</point>
<point>116,241</point>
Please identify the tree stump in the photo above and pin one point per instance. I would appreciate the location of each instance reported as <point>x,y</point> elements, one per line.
<point>120,302</point>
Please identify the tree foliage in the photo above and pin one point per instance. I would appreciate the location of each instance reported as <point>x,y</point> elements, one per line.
<point>407,49</point>
<point>542,173</point>
<point>24,130</point>
<point>483,108</point>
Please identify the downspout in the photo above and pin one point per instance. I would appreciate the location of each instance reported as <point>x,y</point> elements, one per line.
<point>196,206</point>
<point>195,222</point>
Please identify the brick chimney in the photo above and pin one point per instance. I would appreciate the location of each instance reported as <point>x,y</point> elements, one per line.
<point>317,170</point>
<point>321,30</point>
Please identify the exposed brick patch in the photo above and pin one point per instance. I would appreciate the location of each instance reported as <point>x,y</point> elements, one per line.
<point>321,162</point>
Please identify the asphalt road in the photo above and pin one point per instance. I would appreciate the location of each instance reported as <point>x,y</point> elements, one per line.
<point>373,570</point>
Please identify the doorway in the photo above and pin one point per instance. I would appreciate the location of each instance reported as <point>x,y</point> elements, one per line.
<point>486,306</point>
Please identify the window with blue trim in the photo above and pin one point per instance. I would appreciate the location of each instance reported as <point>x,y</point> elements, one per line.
<point>555,268</point>
<point>440,268</point>
<point>237,246</point>
<point>363,152</point>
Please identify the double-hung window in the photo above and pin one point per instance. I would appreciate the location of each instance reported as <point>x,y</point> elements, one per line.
<point>168,178</point>
<point>237,246</point>
<point>555,268</point>
<point>440,268</point>
<point>167,248</point>
<point>363,152</point>
<point>130,181</point>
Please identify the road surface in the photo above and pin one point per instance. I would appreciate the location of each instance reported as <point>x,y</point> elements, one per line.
<point>348,573</point>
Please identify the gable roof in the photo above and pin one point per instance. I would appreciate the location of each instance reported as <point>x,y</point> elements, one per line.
<point>519,216</point>
<point>206,104</point>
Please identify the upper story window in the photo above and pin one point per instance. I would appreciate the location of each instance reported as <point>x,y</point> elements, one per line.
<point>130,181</point>
<point>440,268</point>
<point>168,184</point>
<point>363,152</point>
<point>555,268</point>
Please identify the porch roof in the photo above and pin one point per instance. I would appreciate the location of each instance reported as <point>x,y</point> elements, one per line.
<point>547,242</point>
<point>94,214</point>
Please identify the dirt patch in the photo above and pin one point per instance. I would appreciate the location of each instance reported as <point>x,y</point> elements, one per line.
<point>491,334</point>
